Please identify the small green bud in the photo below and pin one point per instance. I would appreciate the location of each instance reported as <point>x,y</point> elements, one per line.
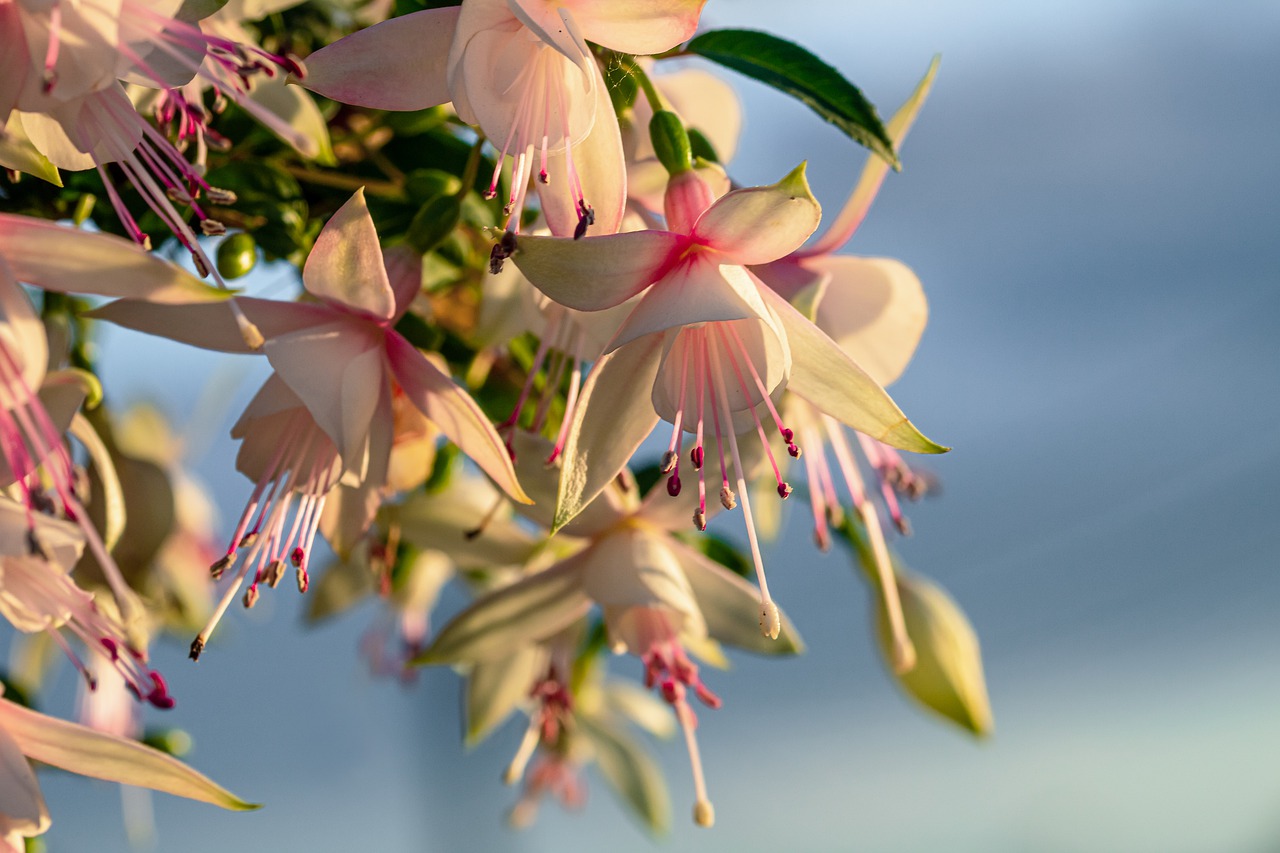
<point>947,677</point>
<point>84,208</point>
<point>428,183</point>
<point>433,222</point>
<point>702,147</point>
<point>671,142</point>
<point>237,255</point>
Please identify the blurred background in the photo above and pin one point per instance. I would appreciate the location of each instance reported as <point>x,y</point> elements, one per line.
<point>1090,198</point>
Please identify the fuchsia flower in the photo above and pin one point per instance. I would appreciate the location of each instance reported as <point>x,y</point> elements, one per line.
<point>522,70</point>
<point>658,597</point>
<point>326,414</point>
<point>46,529</point>
<point>875,311</point>
<point>707,347</point>
<point>61,71</point>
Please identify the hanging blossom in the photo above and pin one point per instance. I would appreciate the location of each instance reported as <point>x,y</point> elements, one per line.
<point>45,525</point>
<point>707,348</point>
<point>875,311</point>
<point>327,413</point>
<point>26,734</point>
<point>523,72</point>
<point>62,68</point>
<point>658,597</point>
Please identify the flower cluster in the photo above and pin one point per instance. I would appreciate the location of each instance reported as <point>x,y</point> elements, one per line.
<point>533,253</point>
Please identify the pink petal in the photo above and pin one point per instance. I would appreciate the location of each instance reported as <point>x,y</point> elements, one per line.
<point>395,65</point>
<point>824,375</point>
<point>613,416</point>
<point>698,290</point>
<point>337,371</point>
<point>21,332</point>
<point>404,274</point>
<point>633,26</point>
<point>213,326</point>
<point>761,224</point>
<point>875,310</point>
<point>452,410</point>
<point>597,272</point>
<point>14,59</point>
<point>73,261</point>
<point>24,808</point>
<point>345,267</point>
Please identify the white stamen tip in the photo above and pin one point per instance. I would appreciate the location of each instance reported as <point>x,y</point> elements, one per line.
<point>770,619</point>
<point>904,656</point>
<point>704,814</point>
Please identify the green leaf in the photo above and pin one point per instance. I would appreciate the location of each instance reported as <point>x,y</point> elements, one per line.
<point>790,68</point>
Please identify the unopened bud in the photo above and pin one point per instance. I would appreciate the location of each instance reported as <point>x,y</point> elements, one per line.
<point>670,142</point>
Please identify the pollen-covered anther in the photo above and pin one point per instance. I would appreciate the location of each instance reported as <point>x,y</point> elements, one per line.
<point>212,228</point>
<point>221,196</point>
<point>727,498</point>
<point>274,573</point>
<point>197,646</point>
<point>304,580</point>
<point>251,596</point>
<point>669,459</point>
<point>220,566</point>
<point>699,519</point>
<point>502,250</point>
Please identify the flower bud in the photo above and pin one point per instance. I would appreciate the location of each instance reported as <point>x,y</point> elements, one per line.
<point>671,142</point>
<point>237,255</point>
<point>433,222</point>
<point>947,676</point>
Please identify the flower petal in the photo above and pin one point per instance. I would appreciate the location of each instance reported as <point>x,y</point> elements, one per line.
<point>613,416</point>
<point>337,370</point>
<point>634,568</point>
<point>395,65</point>
<point>496,688</point>
<point>15,61</point>
<point>345,267</point>
<point>74,261</point>
<point>213,326</point>
<point>761,224</point>
<point>601,167</point>
<point>824,375</point>
<point>18,153</point>
<point>79,749</point>
<point>597,272</point>
<point>542,482</point>
<point>21,333</point>
<point>297,119</point>
<point>731,606</point>
<point>23,805</point>
<point>873,174</point>
<point>699,290</point>
<point>452,410</point>
<point>874,309</point>
<point>633,26</point>
<point>528,610</point>
<point>447,521</point>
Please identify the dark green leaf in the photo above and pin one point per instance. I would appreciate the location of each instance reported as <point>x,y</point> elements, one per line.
<point>792,69</point>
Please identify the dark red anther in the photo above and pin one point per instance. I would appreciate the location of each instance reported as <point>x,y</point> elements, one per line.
<point>159,695</point>
<point>695,456</point>
<point>787,435</point>
<point>111,647</point>
<point>794,450</point>
<point>784,491</point>
<point>297,556</point>
<point>673,485</point>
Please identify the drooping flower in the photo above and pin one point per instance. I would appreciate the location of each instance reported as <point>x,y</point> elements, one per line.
<point>523,71</point>
<point>874,309</point>
<point>327,413</point>
<point>707,347</point>
<point>658,597</point>
<point>65,64</point>
<point>26,734</point>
